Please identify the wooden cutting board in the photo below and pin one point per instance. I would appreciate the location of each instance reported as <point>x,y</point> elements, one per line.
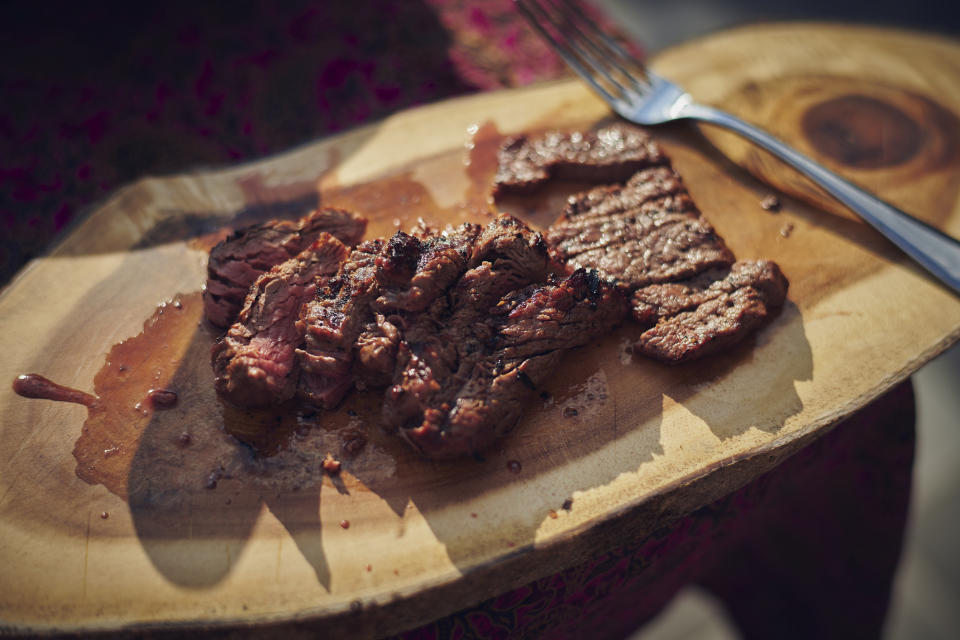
<point>129,516</point>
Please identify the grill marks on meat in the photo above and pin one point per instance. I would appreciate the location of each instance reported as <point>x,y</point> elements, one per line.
<point>611,154</point>
<point>708,313</point>
<point>647,231</point>
<point>459,326</point>
<point>255,362</point>
<point>656,302</point>
<point>238,261</point>
<point>452,393</point>
<point>647,236</point>
<point>351,329</point>
<point>539,319</point>
<point>462,383</point>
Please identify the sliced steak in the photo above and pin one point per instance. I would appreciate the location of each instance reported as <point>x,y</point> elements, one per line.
<point>708,313</point>
<point>463,383</point>
<point>459,326</point>
<point>610,154</point>
<point>441,346</point>
<point>507,255</point>
<point>331,324</point>
<point>353,328</point>
<point>351,338</point>
<point>254,363</point>
<point>236,262</point>
<point>412,273</point>
<point>647,236</point>
<point>644,232</point>
<point>415,270</point>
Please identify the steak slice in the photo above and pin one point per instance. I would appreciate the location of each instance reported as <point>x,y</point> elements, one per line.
<point>708,313</point>
<point>331,324</point>
<point>412,273</point>
<point>255,364</point>
<point>463,382</point>
<point>645,232</point>
<point>415,270</point>
<point>611,154</point>
<point>647,236</point>
<point>507,255</point>
<point>236,262</point>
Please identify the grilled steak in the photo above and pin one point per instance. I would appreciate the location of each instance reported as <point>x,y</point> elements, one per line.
<point>709,312</point>
<point>236,262</point>
<point>255,362</point>
<point>415,270</point>
<point>464,372</point>
<point>647,236</point>
<point>644,232</point>
<point>351,328</point>
<point>332,323</point>
<point>459,326</point>
<point>611,154</point>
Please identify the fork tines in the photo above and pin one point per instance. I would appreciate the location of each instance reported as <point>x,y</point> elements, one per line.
<point>594,55</point>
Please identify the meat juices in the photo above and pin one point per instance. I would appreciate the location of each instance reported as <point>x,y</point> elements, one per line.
<point>649,238</point>
<point>238,261</point>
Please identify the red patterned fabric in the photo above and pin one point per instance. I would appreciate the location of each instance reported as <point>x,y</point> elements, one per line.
<point>98,94</point>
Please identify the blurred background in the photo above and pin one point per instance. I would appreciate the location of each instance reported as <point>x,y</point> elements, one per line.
<point>95,95</point>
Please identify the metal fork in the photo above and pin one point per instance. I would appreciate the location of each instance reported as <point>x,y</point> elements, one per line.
<point>641,96</point>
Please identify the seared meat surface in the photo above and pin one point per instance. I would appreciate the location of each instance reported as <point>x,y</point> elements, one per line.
<point>350,338</point>
<point>709,312</point>
<point>648,237</point>
<point>646,231</point>
<point>238,261</point>
<point>611,154</point>
<point>459,327</point>
<point>331,324</point>
<point>464,373</point>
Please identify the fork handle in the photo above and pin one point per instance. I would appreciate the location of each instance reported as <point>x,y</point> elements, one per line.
<point>931,248</point>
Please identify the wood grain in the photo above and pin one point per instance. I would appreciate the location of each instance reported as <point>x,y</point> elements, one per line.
<point>632,443</point>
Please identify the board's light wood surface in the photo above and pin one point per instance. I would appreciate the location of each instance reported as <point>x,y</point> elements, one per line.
<point>647,442</point>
